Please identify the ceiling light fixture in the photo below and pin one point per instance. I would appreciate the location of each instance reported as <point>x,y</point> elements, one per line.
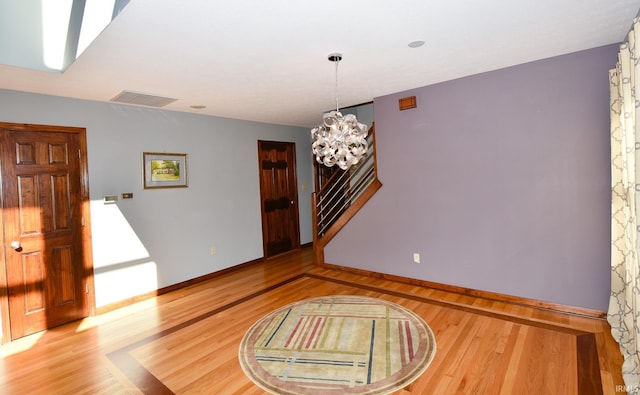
<point>339,140</point>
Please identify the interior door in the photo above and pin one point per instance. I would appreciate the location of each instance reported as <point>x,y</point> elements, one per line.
<point>43,197</point>
<point>279,197</point>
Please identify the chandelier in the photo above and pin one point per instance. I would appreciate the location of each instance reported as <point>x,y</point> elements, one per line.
<point>340,140</point>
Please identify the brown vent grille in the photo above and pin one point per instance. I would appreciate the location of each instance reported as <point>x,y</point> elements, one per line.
<point>407,103</point>
<point>142,99</point>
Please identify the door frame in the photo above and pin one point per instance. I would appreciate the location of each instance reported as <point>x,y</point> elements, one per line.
<point>263,215</point>
<point>85,233</point>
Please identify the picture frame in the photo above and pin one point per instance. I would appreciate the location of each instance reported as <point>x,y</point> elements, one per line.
<point>164,170</point>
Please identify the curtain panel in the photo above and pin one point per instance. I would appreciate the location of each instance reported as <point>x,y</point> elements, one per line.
<point>624,304</point>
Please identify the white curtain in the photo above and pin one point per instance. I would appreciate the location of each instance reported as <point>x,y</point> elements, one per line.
<point>624,304</point>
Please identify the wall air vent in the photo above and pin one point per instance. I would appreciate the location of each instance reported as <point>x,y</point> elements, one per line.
<point>142,99</point>
<point>407,103</point>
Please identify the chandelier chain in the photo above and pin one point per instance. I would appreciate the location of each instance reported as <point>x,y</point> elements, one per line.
<point>337,106</point>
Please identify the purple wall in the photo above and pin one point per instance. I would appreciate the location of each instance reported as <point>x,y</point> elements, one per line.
<point>500,181</point>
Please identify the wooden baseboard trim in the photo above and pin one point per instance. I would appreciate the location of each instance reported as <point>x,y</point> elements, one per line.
<point>578,311</point>
<point>174,287</point>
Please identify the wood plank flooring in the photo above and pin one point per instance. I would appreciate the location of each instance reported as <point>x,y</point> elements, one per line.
<point>186,341</point>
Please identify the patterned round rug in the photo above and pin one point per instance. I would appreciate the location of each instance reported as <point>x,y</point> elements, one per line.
<point>337,345</point>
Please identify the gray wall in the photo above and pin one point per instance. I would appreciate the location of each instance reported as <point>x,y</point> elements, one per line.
<point>163,237</point>
<point>500,181</point>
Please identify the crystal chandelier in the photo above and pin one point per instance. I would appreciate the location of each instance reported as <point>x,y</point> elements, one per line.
<point>339,140</point>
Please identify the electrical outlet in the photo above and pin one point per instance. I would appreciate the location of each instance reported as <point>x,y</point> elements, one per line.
<point>416,257</point>
<point>213,250</point>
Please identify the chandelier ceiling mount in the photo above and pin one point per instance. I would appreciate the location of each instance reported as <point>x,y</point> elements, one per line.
<point>340,140</point>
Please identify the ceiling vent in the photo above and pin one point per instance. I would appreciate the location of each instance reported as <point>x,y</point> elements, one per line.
<point>142,99</point>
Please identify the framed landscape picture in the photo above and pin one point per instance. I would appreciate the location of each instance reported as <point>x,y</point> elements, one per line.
<point>164,170</point>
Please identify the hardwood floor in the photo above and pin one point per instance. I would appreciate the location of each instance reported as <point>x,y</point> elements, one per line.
<point>186,341</point>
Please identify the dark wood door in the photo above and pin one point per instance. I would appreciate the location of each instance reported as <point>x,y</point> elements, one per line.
<point>279,197</point>
<point>42,203</point>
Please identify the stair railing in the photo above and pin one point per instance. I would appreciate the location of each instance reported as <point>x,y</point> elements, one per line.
<point>341,193</point>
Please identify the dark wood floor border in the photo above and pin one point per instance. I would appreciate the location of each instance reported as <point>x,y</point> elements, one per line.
<point>465,308</point>
<point>140,376</point>
<point>589,380</point>
<point>539,304</point>
<point>193,281</point>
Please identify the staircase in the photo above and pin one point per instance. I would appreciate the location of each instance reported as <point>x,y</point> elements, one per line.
<point>340,194</point>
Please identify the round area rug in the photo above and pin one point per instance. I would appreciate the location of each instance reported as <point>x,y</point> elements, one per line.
<point>337,345</point>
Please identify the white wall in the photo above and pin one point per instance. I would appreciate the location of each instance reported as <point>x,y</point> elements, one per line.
<point>163,237</point>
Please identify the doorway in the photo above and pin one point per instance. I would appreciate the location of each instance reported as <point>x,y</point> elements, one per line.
<point>278,197</point>
<point>46,266</point>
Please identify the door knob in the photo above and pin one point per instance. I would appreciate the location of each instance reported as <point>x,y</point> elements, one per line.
<point>16,245</point>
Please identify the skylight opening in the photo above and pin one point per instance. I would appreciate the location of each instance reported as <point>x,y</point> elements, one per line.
<point>97,15</point>
<point>55,28</point>
<point>70,26</point>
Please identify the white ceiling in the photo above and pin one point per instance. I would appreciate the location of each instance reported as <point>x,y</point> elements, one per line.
<point>267,60</point>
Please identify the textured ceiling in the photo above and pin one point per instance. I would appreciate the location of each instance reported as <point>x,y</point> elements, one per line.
<point>267,60</point>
